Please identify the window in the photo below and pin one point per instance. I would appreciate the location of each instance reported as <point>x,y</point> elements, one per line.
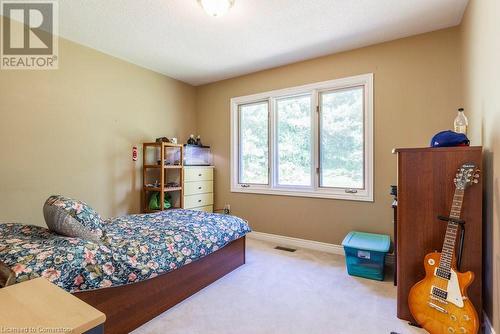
<point>314,140</point>
<point>341,138</point>
<point>294,141</point>
<point>254,143</point>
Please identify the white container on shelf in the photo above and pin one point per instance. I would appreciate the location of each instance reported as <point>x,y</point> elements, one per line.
<point>195,155</point>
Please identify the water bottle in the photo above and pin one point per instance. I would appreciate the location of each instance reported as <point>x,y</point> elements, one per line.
<point>461,123</point>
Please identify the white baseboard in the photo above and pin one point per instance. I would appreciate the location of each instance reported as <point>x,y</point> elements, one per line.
<point>282,240</point>
<point>488,327</point>
<point>299,243</point>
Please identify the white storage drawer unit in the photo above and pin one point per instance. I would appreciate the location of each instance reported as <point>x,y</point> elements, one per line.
<point>192,174</point>
<point>199,188</point>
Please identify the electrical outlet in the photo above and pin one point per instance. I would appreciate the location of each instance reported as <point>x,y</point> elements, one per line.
<point>227,209</point>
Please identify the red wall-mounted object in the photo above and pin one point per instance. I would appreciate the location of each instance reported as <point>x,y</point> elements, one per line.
<point>134,153</point>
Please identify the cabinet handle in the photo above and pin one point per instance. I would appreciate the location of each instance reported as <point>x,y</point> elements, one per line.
<point>199,188</point>
<point>199,174</point>
<point>199,201</point>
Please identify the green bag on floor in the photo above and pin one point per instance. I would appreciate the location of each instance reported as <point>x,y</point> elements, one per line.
<point>154,201</point>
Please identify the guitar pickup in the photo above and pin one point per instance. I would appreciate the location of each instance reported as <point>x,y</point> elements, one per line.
<point>443,274</point>
<point>439,293</point>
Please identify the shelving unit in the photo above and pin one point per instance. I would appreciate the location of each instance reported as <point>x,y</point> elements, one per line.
<point>163,173</point>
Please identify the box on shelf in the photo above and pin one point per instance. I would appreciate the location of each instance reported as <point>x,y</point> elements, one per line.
<point>172,156</point>
<point>195,155</point>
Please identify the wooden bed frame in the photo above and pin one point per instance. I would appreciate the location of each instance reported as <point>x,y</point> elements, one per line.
<point>129,306</point>
<point>7,276</point>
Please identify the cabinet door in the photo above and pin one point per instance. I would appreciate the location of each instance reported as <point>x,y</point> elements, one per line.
<point>425,190</point>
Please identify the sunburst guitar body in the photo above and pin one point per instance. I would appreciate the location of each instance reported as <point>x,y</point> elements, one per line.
<point>439,303</point>
<point>439,315</point>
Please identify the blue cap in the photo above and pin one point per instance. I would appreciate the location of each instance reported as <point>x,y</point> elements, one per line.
<point>449,138</point>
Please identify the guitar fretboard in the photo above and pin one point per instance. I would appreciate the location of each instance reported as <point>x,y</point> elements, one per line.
<point>451,232</point>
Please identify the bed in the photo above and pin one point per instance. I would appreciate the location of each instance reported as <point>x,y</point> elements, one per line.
<point>143,265</point>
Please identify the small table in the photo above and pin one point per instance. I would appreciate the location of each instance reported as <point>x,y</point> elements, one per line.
<point>38,306</point>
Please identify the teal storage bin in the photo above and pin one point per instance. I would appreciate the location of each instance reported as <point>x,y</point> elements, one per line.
<point>365,254</point>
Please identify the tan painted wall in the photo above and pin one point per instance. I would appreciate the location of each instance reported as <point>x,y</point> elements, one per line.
<point>417,90</point>
<point>71,131</point>
<point>481,61</point>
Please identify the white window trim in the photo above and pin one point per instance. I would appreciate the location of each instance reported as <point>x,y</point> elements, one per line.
<point>315,191</point>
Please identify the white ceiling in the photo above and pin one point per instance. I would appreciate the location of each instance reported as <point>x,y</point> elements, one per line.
<point>177,38</point>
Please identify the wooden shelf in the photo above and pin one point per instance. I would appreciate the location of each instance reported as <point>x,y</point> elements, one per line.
<point>162,187</point>
<point>150,211</point>
<point>158,210</point>
<point>167,189</point>
<point>166,166</point>
<point>163,144</point>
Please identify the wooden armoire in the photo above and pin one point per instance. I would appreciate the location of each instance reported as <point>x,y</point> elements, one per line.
<point>425,190</point>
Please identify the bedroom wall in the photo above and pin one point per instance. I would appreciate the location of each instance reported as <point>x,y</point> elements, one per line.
<point>481,63</point>
<point>417,91</point>
<point>71,131</point>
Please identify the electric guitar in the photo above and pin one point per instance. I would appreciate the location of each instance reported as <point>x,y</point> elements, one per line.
<point>439,302</point>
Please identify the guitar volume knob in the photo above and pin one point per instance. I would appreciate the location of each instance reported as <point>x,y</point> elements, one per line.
<point>466,317</point>
<point>453,317</point>
<point>451,330</point>
<point>463,330</point>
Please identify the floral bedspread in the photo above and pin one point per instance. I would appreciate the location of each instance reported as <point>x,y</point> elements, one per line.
<point>134,248</point>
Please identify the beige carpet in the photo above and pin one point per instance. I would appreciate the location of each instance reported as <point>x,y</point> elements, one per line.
<point>285,293</point>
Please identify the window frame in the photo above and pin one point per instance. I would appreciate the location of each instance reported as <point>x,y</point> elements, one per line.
<point>314,191</point>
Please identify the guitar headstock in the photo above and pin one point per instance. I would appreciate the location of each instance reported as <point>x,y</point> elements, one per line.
<point>467,175</point>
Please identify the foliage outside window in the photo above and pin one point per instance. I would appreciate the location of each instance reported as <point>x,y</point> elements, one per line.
<point>314,140</point>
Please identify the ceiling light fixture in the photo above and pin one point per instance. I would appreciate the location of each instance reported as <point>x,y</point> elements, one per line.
<point>216,7</point>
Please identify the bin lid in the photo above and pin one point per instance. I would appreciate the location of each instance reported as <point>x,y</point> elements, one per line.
<point>367,241</point>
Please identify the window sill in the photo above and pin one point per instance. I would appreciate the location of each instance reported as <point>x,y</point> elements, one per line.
<point>364,196</point>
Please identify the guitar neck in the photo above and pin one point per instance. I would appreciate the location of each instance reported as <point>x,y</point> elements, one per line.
<point>448,252</point>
